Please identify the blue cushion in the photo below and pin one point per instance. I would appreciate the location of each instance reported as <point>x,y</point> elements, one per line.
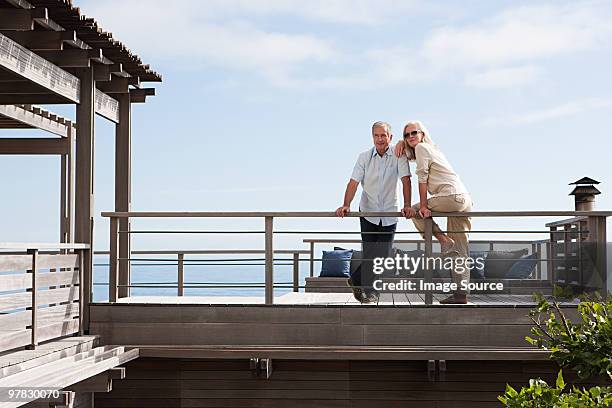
<point>477,271</point>
<point>523,268</point>
<point>336,264</point>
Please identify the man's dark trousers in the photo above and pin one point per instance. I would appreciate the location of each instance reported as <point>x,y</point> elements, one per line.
<point>376,245</point>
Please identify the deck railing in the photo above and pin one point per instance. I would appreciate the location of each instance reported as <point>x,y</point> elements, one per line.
<point>43,293</point>
<point>586,229</point>
<point>181,258</point>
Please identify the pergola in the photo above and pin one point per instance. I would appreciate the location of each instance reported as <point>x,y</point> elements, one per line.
<point>52,54</point>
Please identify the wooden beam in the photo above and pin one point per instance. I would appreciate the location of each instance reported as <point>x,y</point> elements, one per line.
<point>21,19</point>
<point>102,73</point>
<point>33,98</point>
<point>28,146</point>
<point>20,3</point>
<point>98,383</point>
<point>22,87</point>
<point>35,120</point>
<point>73,58</point>
<point>140,95</point>
<point>37,69</point>
<point>105,72</point>
<point>115,86</point>
<point>45,40</point>
<point>123,187</point>
<point>134,81</point>
<point>106,106</point>
<point>102,382</point>
<point>84,193</point>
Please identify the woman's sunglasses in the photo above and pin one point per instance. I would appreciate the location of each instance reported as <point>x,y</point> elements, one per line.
<point>413,133</point>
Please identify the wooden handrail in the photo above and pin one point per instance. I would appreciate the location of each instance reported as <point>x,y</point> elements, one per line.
<point>417,241</point>
<point>328,214</point>
<point>209,251</point>
<point>22,246</point>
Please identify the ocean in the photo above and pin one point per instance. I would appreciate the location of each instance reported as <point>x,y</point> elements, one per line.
<point>165,272</point>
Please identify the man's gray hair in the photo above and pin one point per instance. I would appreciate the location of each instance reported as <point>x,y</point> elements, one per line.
<point>383,125</point>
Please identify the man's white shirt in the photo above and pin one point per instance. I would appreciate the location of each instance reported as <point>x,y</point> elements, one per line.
<point>379,176</point>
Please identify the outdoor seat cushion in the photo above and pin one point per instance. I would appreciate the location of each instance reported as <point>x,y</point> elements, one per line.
<point>524,267</point>
<point>336,264</point>
<point>499,263</point>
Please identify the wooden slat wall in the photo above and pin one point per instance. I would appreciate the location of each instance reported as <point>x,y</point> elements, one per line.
<point>158,382</point>
<point>152,324</point>
<point>57,297</point>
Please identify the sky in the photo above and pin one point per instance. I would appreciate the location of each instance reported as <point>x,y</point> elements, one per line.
<point>266,104</point>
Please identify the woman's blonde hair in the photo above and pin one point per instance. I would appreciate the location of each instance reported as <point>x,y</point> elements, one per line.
<point>426,138</point>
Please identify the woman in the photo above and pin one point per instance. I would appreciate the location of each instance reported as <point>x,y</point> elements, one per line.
<point>447,194</point>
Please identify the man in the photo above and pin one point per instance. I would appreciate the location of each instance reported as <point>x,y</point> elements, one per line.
<point>378,170</point>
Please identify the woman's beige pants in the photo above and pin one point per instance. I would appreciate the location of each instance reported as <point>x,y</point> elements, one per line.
<point>458,227</point>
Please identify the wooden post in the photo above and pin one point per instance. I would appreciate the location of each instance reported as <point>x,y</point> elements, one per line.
<point>34,338</point>
<point>67,188</point>
<point>598,239</point>
<point>63,197</point>
<point>82,289</point>
<point>123,171</point>
<point>269,249</point>
<point>539,264</point>
<point>181,274</point>
<point>567,252</point>
<point>428,253</point>
<point>113,260</point>
<point>296,271</point>
<point>551,254</point>
<point>84,199</point>
<point>312,245</point>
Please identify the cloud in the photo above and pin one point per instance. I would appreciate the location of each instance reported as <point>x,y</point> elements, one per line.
<point>503,77</point>
<point>517,35</point>
<point>506,49</point>
<point>187,37</point>
<point>555,112</point>
<point>359,12</point>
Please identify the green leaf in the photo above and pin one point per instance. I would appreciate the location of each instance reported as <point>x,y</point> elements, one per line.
<point>560,383</point>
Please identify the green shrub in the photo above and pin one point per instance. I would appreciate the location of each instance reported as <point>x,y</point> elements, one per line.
<point>585,347</point>
<point>540,395</point>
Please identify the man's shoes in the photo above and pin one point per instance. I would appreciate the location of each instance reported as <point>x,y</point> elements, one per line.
<point>357,291</point>
<point>455,299</point>
<point>358,294</point>
<point>370,296</point>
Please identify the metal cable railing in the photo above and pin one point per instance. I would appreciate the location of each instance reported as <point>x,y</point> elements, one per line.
<point>592,229</point>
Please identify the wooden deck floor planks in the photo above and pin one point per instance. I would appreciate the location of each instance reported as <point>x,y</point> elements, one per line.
<point>398,299</point>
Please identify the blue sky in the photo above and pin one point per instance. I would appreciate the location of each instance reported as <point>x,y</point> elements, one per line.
<point>266,104</point>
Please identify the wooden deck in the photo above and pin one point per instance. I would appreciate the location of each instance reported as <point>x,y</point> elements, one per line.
<point>314,319</point>
<point>339,299</point>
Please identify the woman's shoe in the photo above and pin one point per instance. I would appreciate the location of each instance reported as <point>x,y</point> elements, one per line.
<point>455,299</point>
<point>448,249</point>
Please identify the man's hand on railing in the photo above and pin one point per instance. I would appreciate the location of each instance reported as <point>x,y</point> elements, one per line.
<point>342,211</point>
<point>408,212</point>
